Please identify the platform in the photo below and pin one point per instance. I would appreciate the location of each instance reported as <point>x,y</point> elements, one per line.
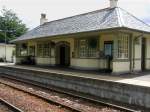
<point>132,89</point>
<point>140,79</point>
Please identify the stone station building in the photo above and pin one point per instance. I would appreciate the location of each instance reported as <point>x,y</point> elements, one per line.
<point>108,39</point>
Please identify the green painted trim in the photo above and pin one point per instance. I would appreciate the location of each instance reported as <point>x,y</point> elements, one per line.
<point>86,58</point>
<point>147,58</point>
<point>130,50</point>
<point>137,59</point>
<point>121,60</point>
<point>21,56</point>
<point>109,29</point>
<point>42,57</point>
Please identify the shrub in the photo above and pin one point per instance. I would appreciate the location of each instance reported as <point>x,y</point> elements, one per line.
<point>1,60</point>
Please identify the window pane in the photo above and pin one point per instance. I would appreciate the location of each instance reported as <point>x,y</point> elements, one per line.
<point>32,50</point>
<point>123,46</point>
<point>23,49</point>
<point>108,49</point>
<point>87,47</point>
<point>43,50</point>
<point>83,48</point>
<point>92,47</point>
<point>40,50</point>
<point>46,50</point>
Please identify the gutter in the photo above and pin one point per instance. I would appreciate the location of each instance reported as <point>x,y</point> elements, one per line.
<point>52,36</point>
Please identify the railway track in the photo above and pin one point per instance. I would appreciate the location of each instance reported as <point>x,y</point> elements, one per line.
<point>8,106</point>
<point>43,98</point>
<point>121,108</point>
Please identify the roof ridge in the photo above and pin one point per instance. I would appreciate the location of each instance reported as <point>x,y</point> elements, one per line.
<point>120,19</point>
<point>134,17</point>
<point>108,18</point>
<point>100,10</point>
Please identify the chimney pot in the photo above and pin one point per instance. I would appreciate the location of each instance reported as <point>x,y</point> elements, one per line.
<point>113,3</point>
<point>43,19</point>
<point>43,15</point>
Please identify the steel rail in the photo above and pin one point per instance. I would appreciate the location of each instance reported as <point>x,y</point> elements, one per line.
<point>51,101</point>
<point>29,82</point>
<point>10,106</point>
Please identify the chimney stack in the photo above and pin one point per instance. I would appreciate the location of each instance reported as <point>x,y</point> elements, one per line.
<point>43,19</point>
<point>113,3</point>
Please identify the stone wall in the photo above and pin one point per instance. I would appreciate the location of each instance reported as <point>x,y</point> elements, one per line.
<point>124,93</point>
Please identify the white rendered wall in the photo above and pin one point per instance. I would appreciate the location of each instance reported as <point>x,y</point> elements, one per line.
<point>9,52</point>
<point>121,67</point>
<point>148,54</point>
<point>91,64</point>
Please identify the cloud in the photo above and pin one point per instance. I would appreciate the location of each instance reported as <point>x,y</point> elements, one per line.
<point>29,10</point>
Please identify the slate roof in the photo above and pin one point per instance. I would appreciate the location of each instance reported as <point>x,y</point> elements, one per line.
<point>97,20</point>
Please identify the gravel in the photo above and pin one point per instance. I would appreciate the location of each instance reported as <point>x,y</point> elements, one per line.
<point>27,102</point>
<point>75,102</point>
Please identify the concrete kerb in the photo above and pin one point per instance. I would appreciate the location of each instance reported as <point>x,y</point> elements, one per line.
<point>127,93</point>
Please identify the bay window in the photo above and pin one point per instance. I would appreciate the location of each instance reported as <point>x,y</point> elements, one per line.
<point>87,47</point>
<point>123,46</point>
<point>43,49</point>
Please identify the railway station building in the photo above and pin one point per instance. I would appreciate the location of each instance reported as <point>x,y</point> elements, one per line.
<point>108,39</point>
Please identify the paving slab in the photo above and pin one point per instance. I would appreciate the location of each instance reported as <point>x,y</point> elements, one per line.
<point>141,79</point>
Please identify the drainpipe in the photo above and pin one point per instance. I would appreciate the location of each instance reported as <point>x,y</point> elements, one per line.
<point>139,36</point>
<point>130,51</point>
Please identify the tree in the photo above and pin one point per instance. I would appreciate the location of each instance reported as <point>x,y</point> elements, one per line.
<point>10,26</point>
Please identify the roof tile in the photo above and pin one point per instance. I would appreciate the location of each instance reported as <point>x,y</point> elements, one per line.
<point>96,20</point>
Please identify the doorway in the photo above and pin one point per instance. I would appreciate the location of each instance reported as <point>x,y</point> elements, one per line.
<point>108,52</point>
<point>63,54</point>
<point>143,54</point>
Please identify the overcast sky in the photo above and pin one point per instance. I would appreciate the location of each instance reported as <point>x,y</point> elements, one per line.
<point>29,10</point>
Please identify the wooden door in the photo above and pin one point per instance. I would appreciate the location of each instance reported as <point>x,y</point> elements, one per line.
<point>108,52</point>
<point>143,54</point>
